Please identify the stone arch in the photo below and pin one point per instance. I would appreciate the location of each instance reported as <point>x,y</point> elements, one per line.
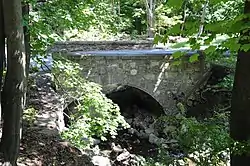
<point>127,96</point>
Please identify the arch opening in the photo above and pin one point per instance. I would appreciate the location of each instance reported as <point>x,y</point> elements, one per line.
<point>131,99</point>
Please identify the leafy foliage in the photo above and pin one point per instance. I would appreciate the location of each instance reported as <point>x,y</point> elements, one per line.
<point>221,18</point>
<point>48,21</point>
<point>200,142</point>
<point>207,143</point>
<point>166,18</point>
<point>227,82</point>
<point>29,115</point>
<point>96,116</point>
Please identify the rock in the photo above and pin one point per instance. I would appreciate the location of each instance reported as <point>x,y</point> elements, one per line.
<point>137,141</point>
<point>143,135</point>
<point>133,131</point>
<point>106,153</point>
<point>48,132</point>
<point>101,161</point>
<point>150,130</point>
<point>123,156</point>
<point>125,162</point>
<point>139,123</point>
<point>96,141</point>
<point>140,134</point>
<point>165,146</point>
<point>172,141</point>
<point>169,129</point>
<point>153,139</point>
<point>129,121</point>
<point>116,148</point>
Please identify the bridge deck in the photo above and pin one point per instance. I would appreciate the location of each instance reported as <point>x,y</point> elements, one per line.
<point>151,52</point>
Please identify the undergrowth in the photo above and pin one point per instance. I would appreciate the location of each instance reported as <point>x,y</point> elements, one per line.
<point>96,116</point>
<point>201,143</point>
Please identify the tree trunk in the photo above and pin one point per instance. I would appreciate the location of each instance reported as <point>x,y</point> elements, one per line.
<point>203,18</point>
<point>14,85</point>
<point>2,52</point>
<point>240,110</point>
<point>184,16</point>
<point>25,14</point>
<point>119,8</point>
<point>150,7</point>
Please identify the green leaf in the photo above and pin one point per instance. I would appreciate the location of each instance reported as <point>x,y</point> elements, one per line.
<point>245,47</point>
<point>232,44</point>
<point>157,38</point>
<point>209,39</point>
<point>192,41</point>
<point>210,49</point>
<point>176,29</point>
<point>176,63</point>
<point>236,27</point>
<point>175,3</point>
<point>164,39</point>
<point>177,54</point>
<point>215,27</point>
<point>214,2</point>
<point>191,27</point>
<point>194,58</point>
<point>196,46</point>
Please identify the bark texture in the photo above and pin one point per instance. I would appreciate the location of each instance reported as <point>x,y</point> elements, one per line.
<point>25,13</point>
<point>14,85</point>
<point>2,51</point>
<point>240,110</point>
<point>150,7</point>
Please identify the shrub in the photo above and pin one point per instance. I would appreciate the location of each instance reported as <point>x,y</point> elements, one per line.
<point>29,115</point>
<point>207,142</point>
<point>96,116</point>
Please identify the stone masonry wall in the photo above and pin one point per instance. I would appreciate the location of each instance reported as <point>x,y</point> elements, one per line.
<point>155,75</point>
<point>100,45</point>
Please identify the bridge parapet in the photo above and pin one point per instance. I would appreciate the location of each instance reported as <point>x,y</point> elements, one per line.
<point>100,45</point>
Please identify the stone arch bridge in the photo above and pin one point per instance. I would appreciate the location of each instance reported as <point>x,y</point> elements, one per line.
<point>150,70</point>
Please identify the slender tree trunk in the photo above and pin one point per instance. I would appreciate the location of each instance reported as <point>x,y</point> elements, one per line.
<point>113,7</point>
<point>119,8</point>
<point>119,11</point>
<point>150,7</point>
<point>184,16</point>
<point>2,52</point>
<point>14,85</point>
<point>25,14</point>
<point>203,18</point>
<point>240,111</point>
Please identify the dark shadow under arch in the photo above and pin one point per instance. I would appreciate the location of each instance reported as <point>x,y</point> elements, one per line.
<point>128,97</point>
